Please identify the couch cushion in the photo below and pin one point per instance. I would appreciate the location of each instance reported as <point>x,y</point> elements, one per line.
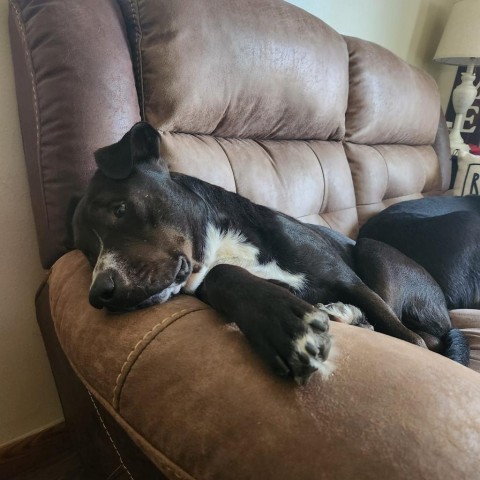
<point>387,174</point>
<point>309,180</point>
<point>249,106</point>
<point>238,68</point>
<point>389,101</point>
<point>190,391</point>
<point>394,136</point>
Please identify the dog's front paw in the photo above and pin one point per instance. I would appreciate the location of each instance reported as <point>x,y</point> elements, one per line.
<point>288,333</point>
<point>311,349</point>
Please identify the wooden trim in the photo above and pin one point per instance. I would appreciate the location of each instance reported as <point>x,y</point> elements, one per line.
<point>35,451</point>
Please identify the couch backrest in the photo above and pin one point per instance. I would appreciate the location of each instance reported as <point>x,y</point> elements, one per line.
<point>392,121</point>
<point>256,96</point>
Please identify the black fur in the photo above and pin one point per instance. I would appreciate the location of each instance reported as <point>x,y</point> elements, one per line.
<point>441,234</point>
<point>154,225</point>
<point>456,346</point>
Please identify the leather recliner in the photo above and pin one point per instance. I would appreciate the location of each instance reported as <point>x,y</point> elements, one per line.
<point>263,99</point>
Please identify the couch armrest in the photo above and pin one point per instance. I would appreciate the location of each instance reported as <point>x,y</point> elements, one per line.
<point>192,394</point>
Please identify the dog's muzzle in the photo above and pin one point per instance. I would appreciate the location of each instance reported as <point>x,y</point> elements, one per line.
<point>108,290</point>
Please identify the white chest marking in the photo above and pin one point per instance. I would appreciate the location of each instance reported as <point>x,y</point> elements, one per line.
<point>232,248</point>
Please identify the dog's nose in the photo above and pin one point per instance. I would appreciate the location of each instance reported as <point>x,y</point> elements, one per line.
<point>102,290</point>
<point>183,270</point>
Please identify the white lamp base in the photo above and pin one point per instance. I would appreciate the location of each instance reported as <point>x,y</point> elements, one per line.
<point>457,143</point>
<point>462,98</point>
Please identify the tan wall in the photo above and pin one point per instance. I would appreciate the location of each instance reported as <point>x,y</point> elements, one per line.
<point>28,400</point>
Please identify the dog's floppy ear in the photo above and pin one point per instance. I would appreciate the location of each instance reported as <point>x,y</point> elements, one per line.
<point>140,144</point>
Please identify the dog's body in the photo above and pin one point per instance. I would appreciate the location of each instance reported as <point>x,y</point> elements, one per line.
<point>150,233</point>
<point>442,235</point>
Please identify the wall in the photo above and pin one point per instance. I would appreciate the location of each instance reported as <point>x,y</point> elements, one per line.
<point>28,400</point>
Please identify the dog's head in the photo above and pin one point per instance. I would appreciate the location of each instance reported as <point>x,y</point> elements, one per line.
<point>132,225</point>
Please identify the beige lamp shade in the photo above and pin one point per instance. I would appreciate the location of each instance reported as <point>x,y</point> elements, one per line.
<point>460,43</point>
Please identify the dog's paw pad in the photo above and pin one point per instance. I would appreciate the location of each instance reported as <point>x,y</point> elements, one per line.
<point>345,313</point>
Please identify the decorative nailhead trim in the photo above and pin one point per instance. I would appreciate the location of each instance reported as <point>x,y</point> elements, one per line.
<point>109,436</point>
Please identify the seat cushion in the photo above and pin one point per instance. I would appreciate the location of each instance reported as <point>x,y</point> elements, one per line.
<point>193,395</point>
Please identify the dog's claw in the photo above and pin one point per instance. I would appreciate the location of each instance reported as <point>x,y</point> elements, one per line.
<point>305,375</point>
<point>319,325</point>
<point>312,349</point>
<point>304,358</point>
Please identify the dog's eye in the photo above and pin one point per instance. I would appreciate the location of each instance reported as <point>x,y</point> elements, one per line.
<point>119,210</point>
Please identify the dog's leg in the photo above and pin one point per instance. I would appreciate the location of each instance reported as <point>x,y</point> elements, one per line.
<point>289,334</point>
<point>413,295</point>
<point>378,313</point>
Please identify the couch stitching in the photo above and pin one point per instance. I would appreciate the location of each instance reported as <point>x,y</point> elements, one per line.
<point>183,475</point>
<point>164,458</point>
<point>30,69</point>
<point>118,387</point>
<point>110,438</point>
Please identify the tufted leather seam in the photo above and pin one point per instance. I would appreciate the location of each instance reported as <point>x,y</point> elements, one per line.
<point>137,350</point>
<point>30,68</point>
<point>229,162</point>
<point>325,186</point>
<point>333,211</point>
<point>138,67</point>
<point>424,168</point>
<point>326,221</point>
<point>381,202</point>
<point>388,172</point>
<point>269,155</point>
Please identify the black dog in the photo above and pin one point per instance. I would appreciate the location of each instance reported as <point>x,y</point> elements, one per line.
<point>150,233</point>
<point>441,234</point>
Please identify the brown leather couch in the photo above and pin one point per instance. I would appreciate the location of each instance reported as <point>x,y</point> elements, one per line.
<point>266,100</point>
